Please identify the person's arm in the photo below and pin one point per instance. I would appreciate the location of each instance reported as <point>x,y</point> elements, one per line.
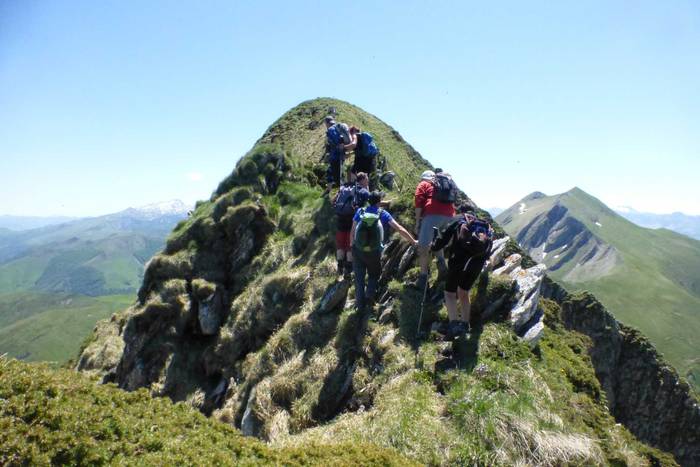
<point>419,215</point>
<point>403,232</point>
<point>352,145</point>
<point>419,203</point>
<point>445,236</point>
<point>352,232</point>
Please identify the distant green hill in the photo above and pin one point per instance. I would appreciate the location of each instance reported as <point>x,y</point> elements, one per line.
<point>649,279</point>
<point>57,281</point>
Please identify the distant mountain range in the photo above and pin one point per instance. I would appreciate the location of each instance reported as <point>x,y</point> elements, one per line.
<point>677,221</point>
<point>649,278</point>
<point>16,223</point>
<point>74,272</point>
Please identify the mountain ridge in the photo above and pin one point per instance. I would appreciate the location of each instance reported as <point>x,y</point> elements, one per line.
<point>241,317</point>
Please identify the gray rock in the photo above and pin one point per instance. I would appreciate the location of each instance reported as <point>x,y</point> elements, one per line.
<point>388,338</point>
<point>498,251</point>
<point>510,263</point>
<point>528,282</point>
<point>251,425</point>
<point>534,334</point>
<point>210,314</point>
<point>335,294</point>
<point>386,316</point>
<point>406,261</point>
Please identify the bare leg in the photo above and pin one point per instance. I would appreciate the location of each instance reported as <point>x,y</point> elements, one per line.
<point>451,305</point>
<point>464,305</point>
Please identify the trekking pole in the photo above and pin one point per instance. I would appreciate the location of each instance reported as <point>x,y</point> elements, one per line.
<point>422,303</point>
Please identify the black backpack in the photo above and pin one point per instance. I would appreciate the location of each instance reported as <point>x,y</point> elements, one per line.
<point>445,189</point>
<point>468,235</point>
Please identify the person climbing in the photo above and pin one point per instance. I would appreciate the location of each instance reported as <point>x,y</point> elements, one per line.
<point>350,197</point>
<point>366,240</point>
<point>366,153</point>
<point>471,239</point>
<point>337,138</point>
<point>434,202</point>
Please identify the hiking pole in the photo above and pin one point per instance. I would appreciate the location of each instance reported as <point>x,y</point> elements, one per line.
<point>422,303</point>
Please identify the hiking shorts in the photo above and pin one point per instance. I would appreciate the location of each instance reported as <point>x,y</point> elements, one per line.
<point>342,240</point>
<point>425,235</point>
<point>364,164</point>
<point>463,273</point>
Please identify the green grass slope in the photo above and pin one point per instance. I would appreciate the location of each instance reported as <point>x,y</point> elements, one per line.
<point>655,286</point>
<point>51,327</point>
<point>56,417</point>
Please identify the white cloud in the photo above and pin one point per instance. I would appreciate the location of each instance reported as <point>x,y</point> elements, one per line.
<point>194,176</point>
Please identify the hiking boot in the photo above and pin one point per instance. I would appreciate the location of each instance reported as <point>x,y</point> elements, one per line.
<point>347,274</point>
<point>456,329</point>
<point>441,327</point>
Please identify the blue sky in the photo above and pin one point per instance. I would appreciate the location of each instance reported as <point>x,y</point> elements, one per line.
<point>105,105</point>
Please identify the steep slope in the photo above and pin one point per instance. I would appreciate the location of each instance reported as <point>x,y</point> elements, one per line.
<point>649,278</point>
<point>241,317</point>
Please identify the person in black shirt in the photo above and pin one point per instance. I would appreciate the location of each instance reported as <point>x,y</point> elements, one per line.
<point>470,239</point>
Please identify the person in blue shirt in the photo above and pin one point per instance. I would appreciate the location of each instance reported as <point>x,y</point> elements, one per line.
<point>367,242</point>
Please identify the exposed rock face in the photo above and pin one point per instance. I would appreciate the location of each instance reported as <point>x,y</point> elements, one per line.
<point>560,239</point>
<point>643,392</point>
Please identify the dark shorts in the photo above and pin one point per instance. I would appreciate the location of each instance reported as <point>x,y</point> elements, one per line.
<point>463,273</point>
<point>364,164</point>
<point>333,174</point>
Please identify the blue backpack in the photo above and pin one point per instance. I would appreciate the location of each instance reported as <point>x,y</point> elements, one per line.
<point>367,146</point>
<point>333,136</point>
<point>346,201</point>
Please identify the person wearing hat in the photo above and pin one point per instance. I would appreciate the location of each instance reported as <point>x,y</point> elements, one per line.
<point>429,213</point>
<point>366,240</point>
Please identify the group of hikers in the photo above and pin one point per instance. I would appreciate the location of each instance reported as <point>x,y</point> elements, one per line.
<point>364,224</point>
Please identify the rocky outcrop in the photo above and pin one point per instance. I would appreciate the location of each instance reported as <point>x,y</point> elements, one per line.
<point>643,392</point>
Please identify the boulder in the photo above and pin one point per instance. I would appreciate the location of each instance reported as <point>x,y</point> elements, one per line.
<point>335,294</point>
<point>528,283</point>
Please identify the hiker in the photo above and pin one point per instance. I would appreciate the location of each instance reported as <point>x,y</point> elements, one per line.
<point>337,138</point>
<point>434,202</point>
<point>366,240</point>
<point>366,153</point>
<point>471,240</point>
<point>350,197</point>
